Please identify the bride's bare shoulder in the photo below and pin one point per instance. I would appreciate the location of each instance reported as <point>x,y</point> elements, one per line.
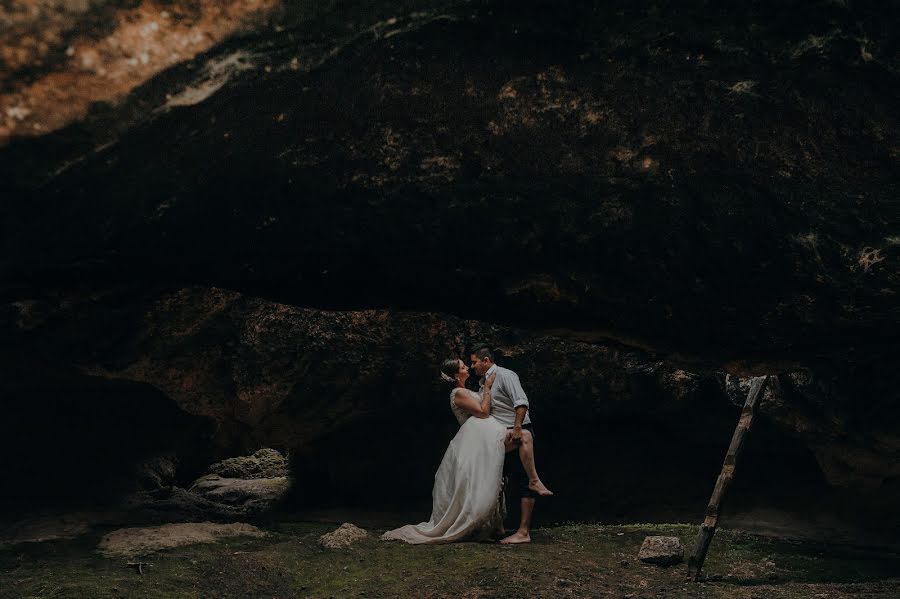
<point>457,390</point>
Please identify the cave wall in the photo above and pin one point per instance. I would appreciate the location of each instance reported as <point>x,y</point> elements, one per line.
<point>712,180</point>
<point>355,400</point>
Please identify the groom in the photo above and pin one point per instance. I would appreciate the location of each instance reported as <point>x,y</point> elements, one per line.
<point>509,405</point>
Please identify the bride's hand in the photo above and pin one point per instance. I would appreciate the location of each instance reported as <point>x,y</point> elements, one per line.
<point>489,381</point>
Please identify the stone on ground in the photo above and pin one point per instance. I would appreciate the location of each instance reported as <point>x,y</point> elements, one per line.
<point>662,551</point>
<point>345,535</point>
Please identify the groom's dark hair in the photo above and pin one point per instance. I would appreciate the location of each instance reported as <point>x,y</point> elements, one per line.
<point>483,351</point>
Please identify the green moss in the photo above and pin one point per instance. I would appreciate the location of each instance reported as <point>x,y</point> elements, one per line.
<point>265,463</point>
<point>570,560</point>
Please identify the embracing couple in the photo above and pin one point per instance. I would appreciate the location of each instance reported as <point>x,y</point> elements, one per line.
<point>467,498</point>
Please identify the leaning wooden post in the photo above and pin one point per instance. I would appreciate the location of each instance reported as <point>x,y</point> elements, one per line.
<point>708,528</point>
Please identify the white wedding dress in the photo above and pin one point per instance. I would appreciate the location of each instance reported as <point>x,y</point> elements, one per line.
<point>467,502</point>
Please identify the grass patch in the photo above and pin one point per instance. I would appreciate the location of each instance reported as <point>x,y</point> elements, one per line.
<point>578,560</point>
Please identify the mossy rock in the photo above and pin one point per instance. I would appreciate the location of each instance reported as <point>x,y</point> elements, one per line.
<point>265,463</point>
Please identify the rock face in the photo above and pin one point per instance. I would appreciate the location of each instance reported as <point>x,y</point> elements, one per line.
<point>58,57</point>
<point>157,471</point>
<point>851,428</point>
<point>349,393</point>
<point>662,551</point>
<point>720,182</point>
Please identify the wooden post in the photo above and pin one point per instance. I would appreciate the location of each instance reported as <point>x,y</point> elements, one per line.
<point>708,528</point>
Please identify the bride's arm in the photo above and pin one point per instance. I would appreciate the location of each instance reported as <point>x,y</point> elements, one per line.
<point>478,409</point>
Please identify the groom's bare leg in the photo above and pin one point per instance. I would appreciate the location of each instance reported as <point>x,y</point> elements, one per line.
<point>526,454</point>
<point>523,535</point>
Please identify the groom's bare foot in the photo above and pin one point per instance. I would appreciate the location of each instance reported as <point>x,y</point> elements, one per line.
<point>538,487</point>
<point>516,538</point>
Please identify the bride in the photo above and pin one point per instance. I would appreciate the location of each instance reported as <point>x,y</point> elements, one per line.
<point>467,501</point>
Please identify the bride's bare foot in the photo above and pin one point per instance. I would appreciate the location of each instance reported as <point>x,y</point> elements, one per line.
<point>538,487</point>
<point>516,538</point>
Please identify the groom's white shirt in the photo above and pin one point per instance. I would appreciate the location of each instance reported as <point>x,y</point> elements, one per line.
<point>506,395</point>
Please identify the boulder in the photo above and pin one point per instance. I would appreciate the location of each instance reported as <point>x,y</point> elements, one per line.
<point>253,495</point>
<point>265,463</point>
<point>662,551</point>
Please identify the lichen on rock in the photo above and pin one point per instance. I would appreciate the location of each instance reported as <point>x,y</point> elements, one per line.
<point>265,463</point>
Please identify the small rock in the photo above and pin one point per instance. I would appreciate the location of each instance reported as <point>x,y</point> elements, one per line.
<point>344,536</point>
<point>662,551</point>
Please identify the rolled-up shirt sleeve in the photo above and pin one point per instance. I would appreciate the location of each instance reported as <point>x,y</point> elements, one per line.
<point>515,391</point>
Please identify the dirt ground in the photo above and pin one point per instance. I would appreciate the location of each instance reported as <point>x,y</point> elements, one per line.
<point>148,539</point>
<point>580,560</point>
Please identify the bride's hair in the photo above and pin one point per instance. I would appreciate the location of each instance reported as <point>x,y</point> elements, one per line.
<point>449,369</point>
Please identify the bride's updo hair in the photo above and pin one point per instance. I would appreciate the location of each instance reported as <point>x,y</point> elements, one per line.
<point>449,369</point>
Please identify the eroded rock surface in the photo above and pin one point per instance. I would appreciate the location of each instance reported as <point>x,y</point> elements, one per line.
<point>257,483</point>
<point>265,463</point>
<point>349,393</point>
<point>60,57</point>
<point>254,495</point>
<point>719,181</point>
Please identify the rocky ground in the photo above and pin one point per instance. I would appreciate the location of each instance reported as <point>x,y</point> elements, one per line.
<point>564,561</point>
